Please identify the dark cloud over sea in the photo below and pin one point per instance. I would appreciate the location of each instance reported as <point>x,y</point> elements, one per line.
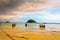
<point>11,8</point>
<point>8,5</point>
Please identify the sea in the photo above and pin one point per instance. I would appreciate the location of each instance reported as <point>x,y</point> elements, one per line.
<point>50,27</point>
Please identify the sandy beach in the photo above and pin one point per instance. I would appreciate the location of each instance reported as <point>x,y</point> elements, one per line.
<point>28,34</point>
<point>29,19</point>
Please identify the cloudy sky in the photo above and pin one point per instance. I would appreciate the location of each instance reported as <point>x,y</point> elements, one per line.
<point>23,10</point>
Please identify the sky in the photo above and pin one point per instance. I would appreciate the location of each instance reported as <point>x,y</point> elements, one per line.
<point>23,10</point>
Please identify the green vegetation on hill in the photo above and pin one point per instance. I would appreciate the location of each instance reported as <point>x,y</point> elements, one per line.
<point>7,22</point>
<point>31,21</point>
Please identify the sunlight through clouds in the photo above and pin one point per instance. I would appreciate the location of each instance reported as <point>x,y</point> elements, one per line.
<point>10,9</point>
<point>10,17</point>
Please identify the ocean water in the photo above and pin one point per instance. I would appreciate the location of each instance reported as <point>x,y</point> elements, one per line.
<point>50,27</point>
<point>19,25</point>
<point>53,27</point>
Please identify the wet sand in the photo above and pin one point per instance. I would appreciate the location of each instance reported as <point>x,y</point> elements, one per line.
<point>28,34</point>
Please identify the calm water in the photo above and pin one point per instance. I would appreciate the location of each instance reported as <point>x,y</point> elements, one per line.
<point>51,27</point>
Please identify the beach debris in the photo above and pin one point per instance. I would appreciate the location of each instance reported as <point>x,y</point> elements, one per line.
<point>26,25</point>
<point>42,26</point>
<point>20,37</point>
<point>13,25</point>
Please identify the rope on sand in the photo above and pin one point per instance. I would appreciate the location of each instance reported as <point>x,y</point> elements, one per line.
<point>19,37</point>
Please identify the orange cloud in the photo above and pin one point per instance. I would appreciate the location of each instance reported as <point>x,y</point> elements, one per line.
<point>36,5</point>
<point>28,6</point>
<point>10,17</point>
<point>25,7</point>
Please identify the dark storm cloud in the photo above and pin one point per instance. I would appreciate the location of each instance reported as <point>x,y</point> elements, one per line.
<point>24,5</point>
<point>10,4</point>
<point>7,5</point>
<point>10,8</point>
